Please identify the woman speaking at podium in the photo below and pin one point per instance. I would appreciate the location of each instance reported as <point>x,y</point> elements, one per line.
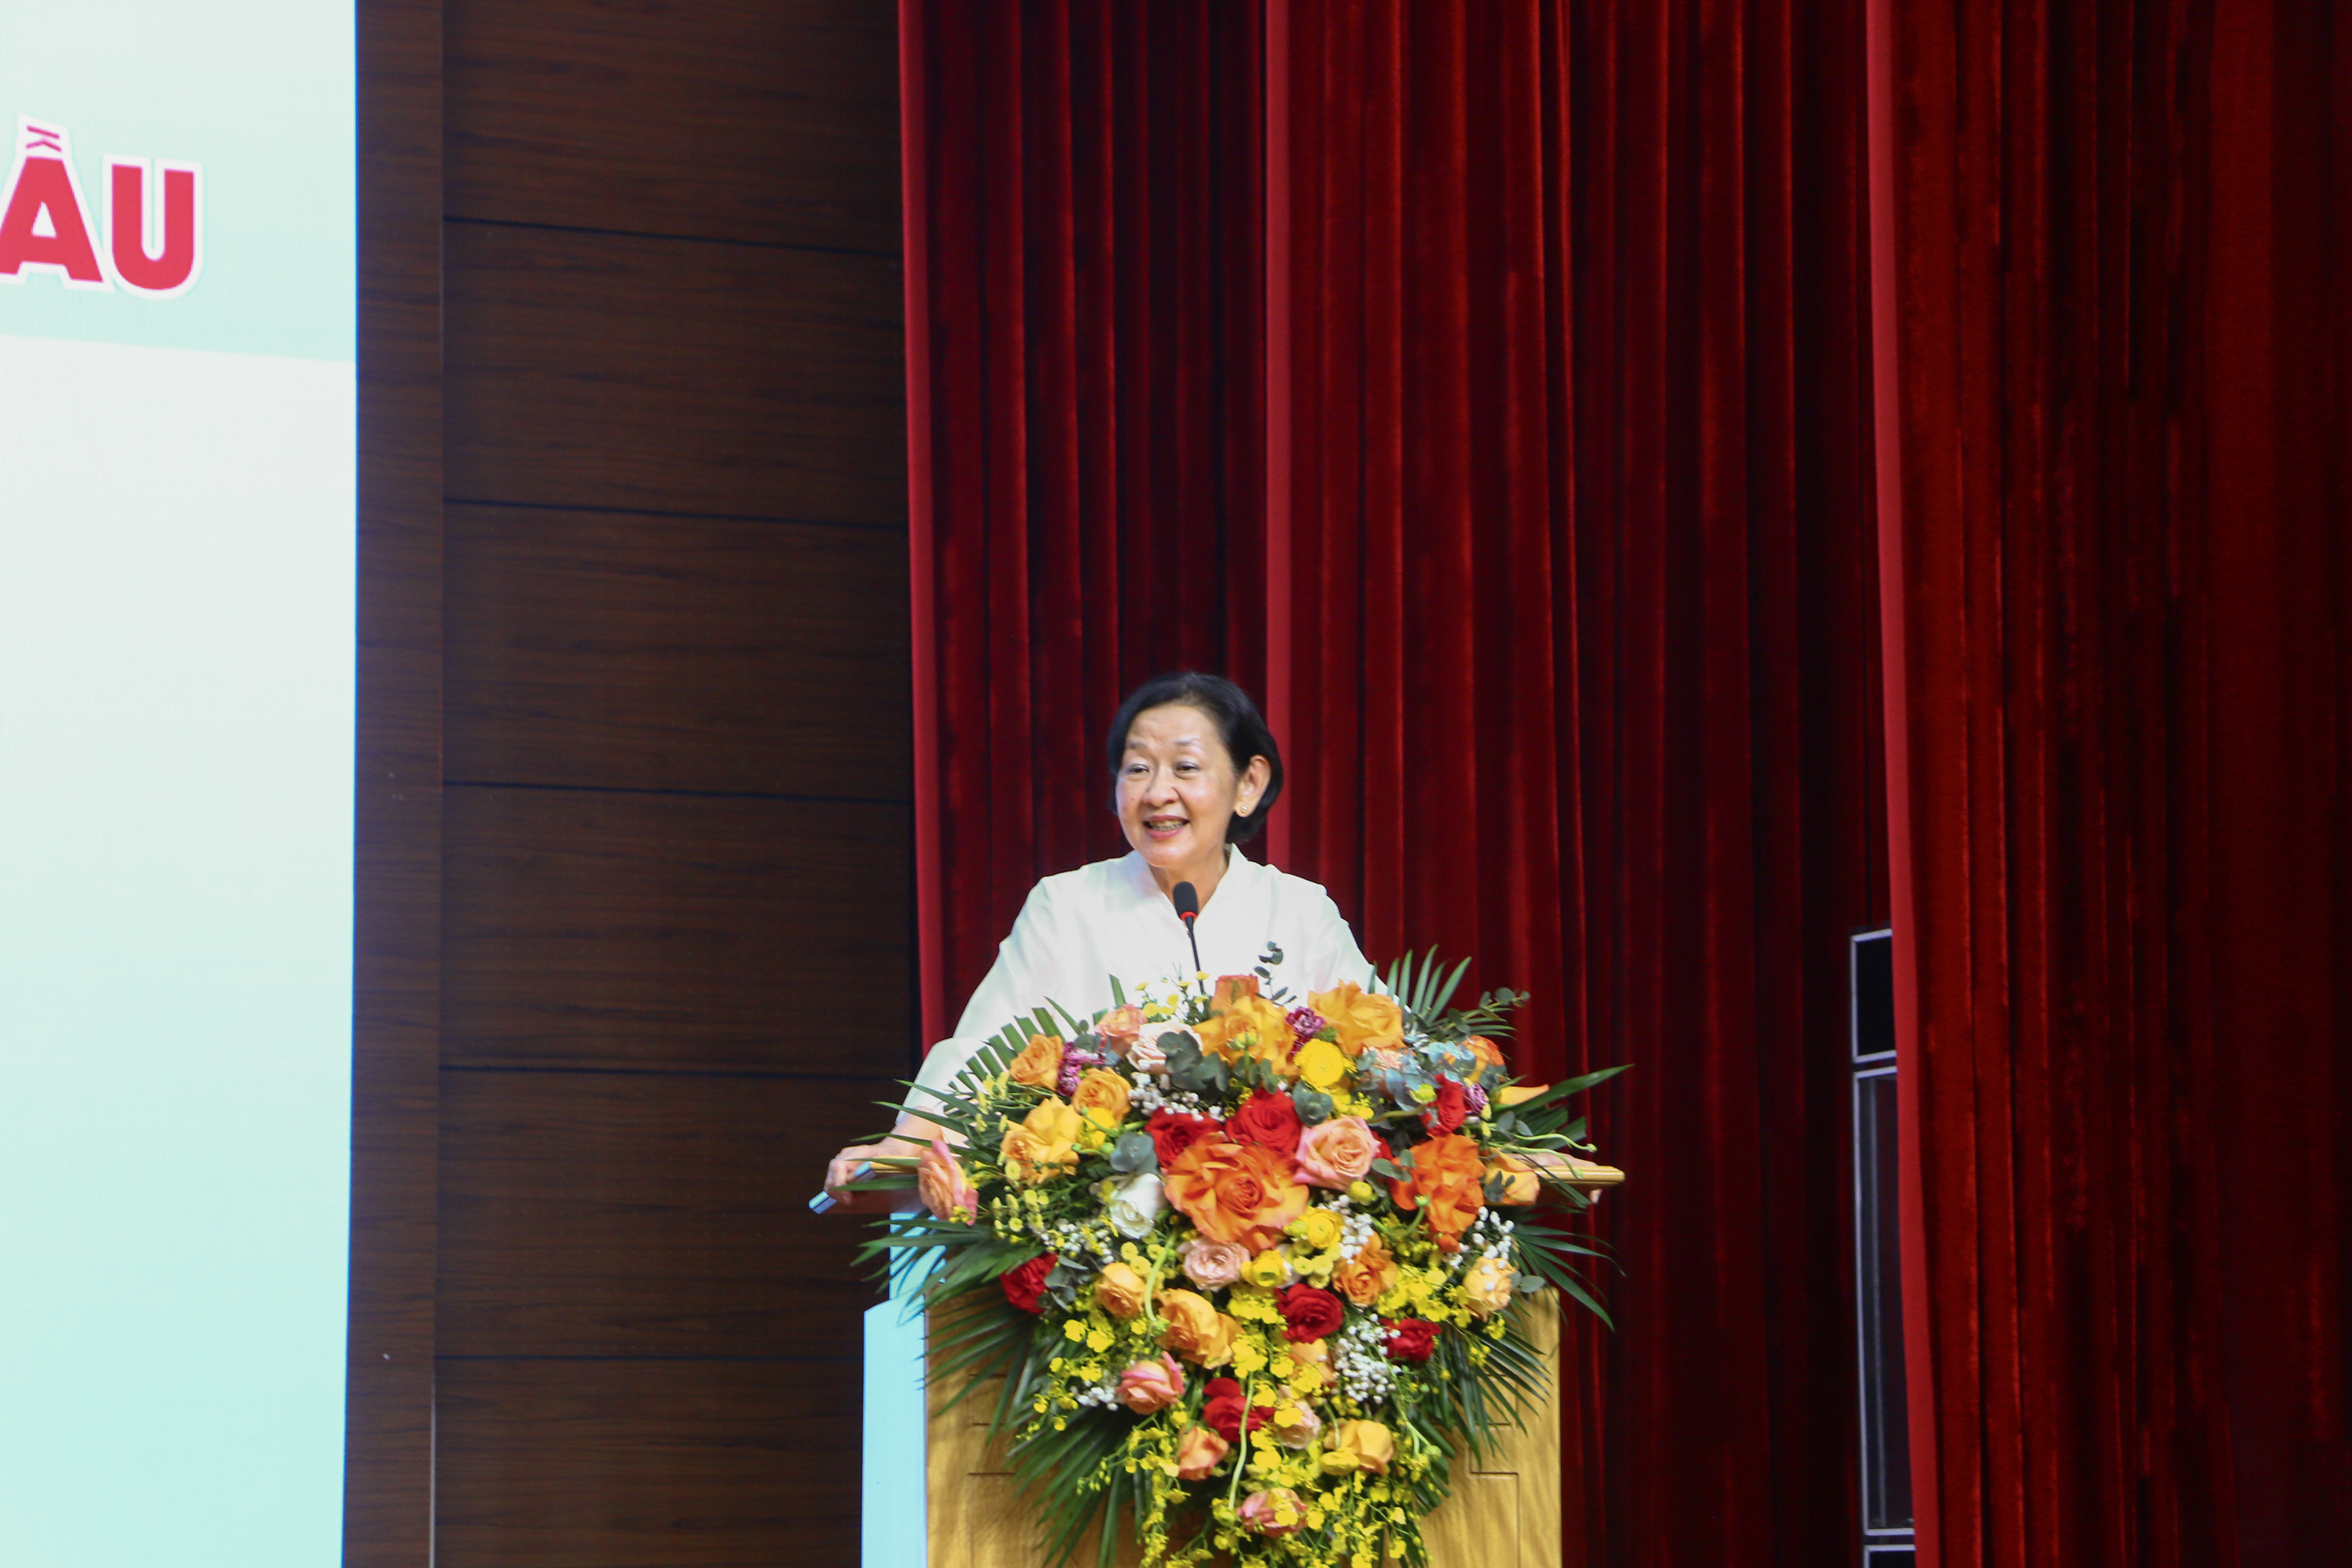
<point>1194,771</point>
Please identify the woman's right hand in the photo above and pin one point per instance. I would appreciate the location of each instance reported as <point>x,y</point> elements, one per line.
<point>847,1166</point>
<point>906,1141</point>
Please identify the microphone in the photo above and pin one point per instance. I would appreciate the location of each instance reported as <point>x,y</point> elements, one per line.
<point>1188,910</point>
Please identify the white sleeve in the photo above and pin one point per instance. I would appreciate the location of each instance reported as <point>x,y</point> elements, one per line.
<point>1336,957</point>
<point>1021,978</point>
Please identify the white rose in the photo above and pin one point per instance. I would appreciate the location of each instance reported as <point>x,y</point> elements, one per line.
<point>1134,1207</point>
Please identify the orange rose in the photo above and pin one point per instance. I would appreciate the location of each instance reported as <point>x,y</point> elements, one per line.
<point>1361,1019</point>
<point>1229,1334</point>
<point>1198,1453</point>
<point>1119,1290</point>
<point>1520,1183</point>
<point>1039,1064</point>
<point>1368,1275</point>
<point>1313,1369</point>
<point>1195,1330</point>
<point>1232,989</point>
<point>1447,1183</point>
<point>1253,1027</point>
<point>947,1191</point>
<point>1360,1445</point>
<point>1101,1098</point>
<point>1489,1053</point>
<point>1243,1193</point>
<point>1488,1288</point>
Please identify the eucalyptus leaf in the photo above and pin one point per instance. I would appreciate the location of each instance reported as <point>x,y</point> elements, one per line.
<point>1134,1154</point>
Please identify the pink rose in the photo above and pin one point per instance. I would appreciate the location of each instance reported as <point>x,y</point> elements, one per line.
<point>947,1191</point>
<point>1338,1151</point>
<point>1274,1511</point>
<point>1300,1431</point>
<point>1199,1452</point>
<point>1214,1265</point>
<point>1151,1386</point>
<point>1120,1028</point>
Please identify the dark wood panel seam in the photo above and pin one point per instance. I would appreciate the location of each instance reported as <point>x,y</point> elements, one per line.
<point>678,794</point>
<point>719,1360</point>
<point>389,1464</point>
<point>658,234</point>
<point>576,1070</point>
<point>595,510</point>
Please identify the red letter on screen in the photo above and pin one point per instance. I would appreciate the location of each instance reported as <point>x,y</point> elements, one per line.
<point>44,187</point>
<point>127,231</point>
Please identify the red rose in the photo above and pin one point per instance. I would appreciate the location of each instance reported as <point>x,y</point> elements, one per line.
<point>1173,1131</point>
<point>1222,1411</point>
<point>1449,1110</point>
<point>1412,1339</point>
<point>1023,1285</point>
<point>1309,1313</point>
<point>1267,1119</point>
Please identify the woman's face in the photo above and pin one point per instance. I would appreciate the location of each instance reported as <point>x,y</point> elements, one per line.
<point>1179,788</point>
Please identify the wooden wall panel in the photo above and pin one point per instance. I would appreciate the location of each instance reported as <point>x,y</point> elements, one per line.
<point>615,371</point>
<point>631,1214</point>
<point>648,1464</point>
<point>636,652</point>
<point>672,931</point>
<point>675,894</point>
<point>621,115</point>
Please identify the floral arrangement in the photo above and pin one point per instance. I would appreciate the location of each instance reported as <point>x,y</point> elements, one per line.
<point>1244,1260</point>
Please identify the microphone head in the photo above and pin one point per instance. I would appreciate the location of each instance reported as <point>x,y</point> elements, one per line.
<point>1188,902</point>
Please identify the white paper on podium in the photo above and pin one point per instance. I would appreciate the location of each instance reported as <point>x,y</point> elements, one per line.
<point>893,1530</point>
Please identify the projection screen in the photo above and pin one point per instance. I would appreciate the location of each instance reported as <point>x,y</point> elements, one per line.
<point>177,657</point>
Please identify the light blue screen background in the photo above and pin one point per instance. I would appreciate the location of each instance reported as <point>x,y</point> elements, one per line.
<point>176,660</point>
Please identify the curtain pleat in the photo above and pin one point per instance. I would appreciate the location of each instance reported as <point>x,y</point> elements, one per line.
<point>1583,656</point>
<point>2117,302</point>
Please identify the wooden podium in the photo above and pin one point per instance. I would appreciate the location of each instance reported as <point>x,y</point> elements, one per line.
<point>1505,1512</point>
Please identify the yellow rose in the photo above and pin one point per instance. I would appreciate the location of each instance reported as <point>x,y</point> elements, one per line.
<point>1269,1271</point>
<point>1322,1064</point>
<point>1101,1098</point>
<point>1119,1290</point>
<point>1362,1020</point>
<point>1487,1289</point>
<point>1318,1228</point>
<point>1360,1445</point>
<point>1044,1145</point>
<point>1039,1064</point>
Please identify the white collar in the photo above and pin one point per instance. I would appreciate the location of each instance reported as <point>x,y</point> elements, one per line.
<point>1241,873</point>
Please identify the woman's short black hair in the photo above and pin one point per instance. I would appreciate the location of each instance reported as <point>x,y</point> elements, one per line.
<point>1239,725</point>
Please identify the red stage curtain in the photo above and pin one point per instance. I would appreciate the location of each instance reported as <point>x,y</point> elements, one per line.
<point>1085,425</point>
<point>1572,511</point>
<point>2112,272</point>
